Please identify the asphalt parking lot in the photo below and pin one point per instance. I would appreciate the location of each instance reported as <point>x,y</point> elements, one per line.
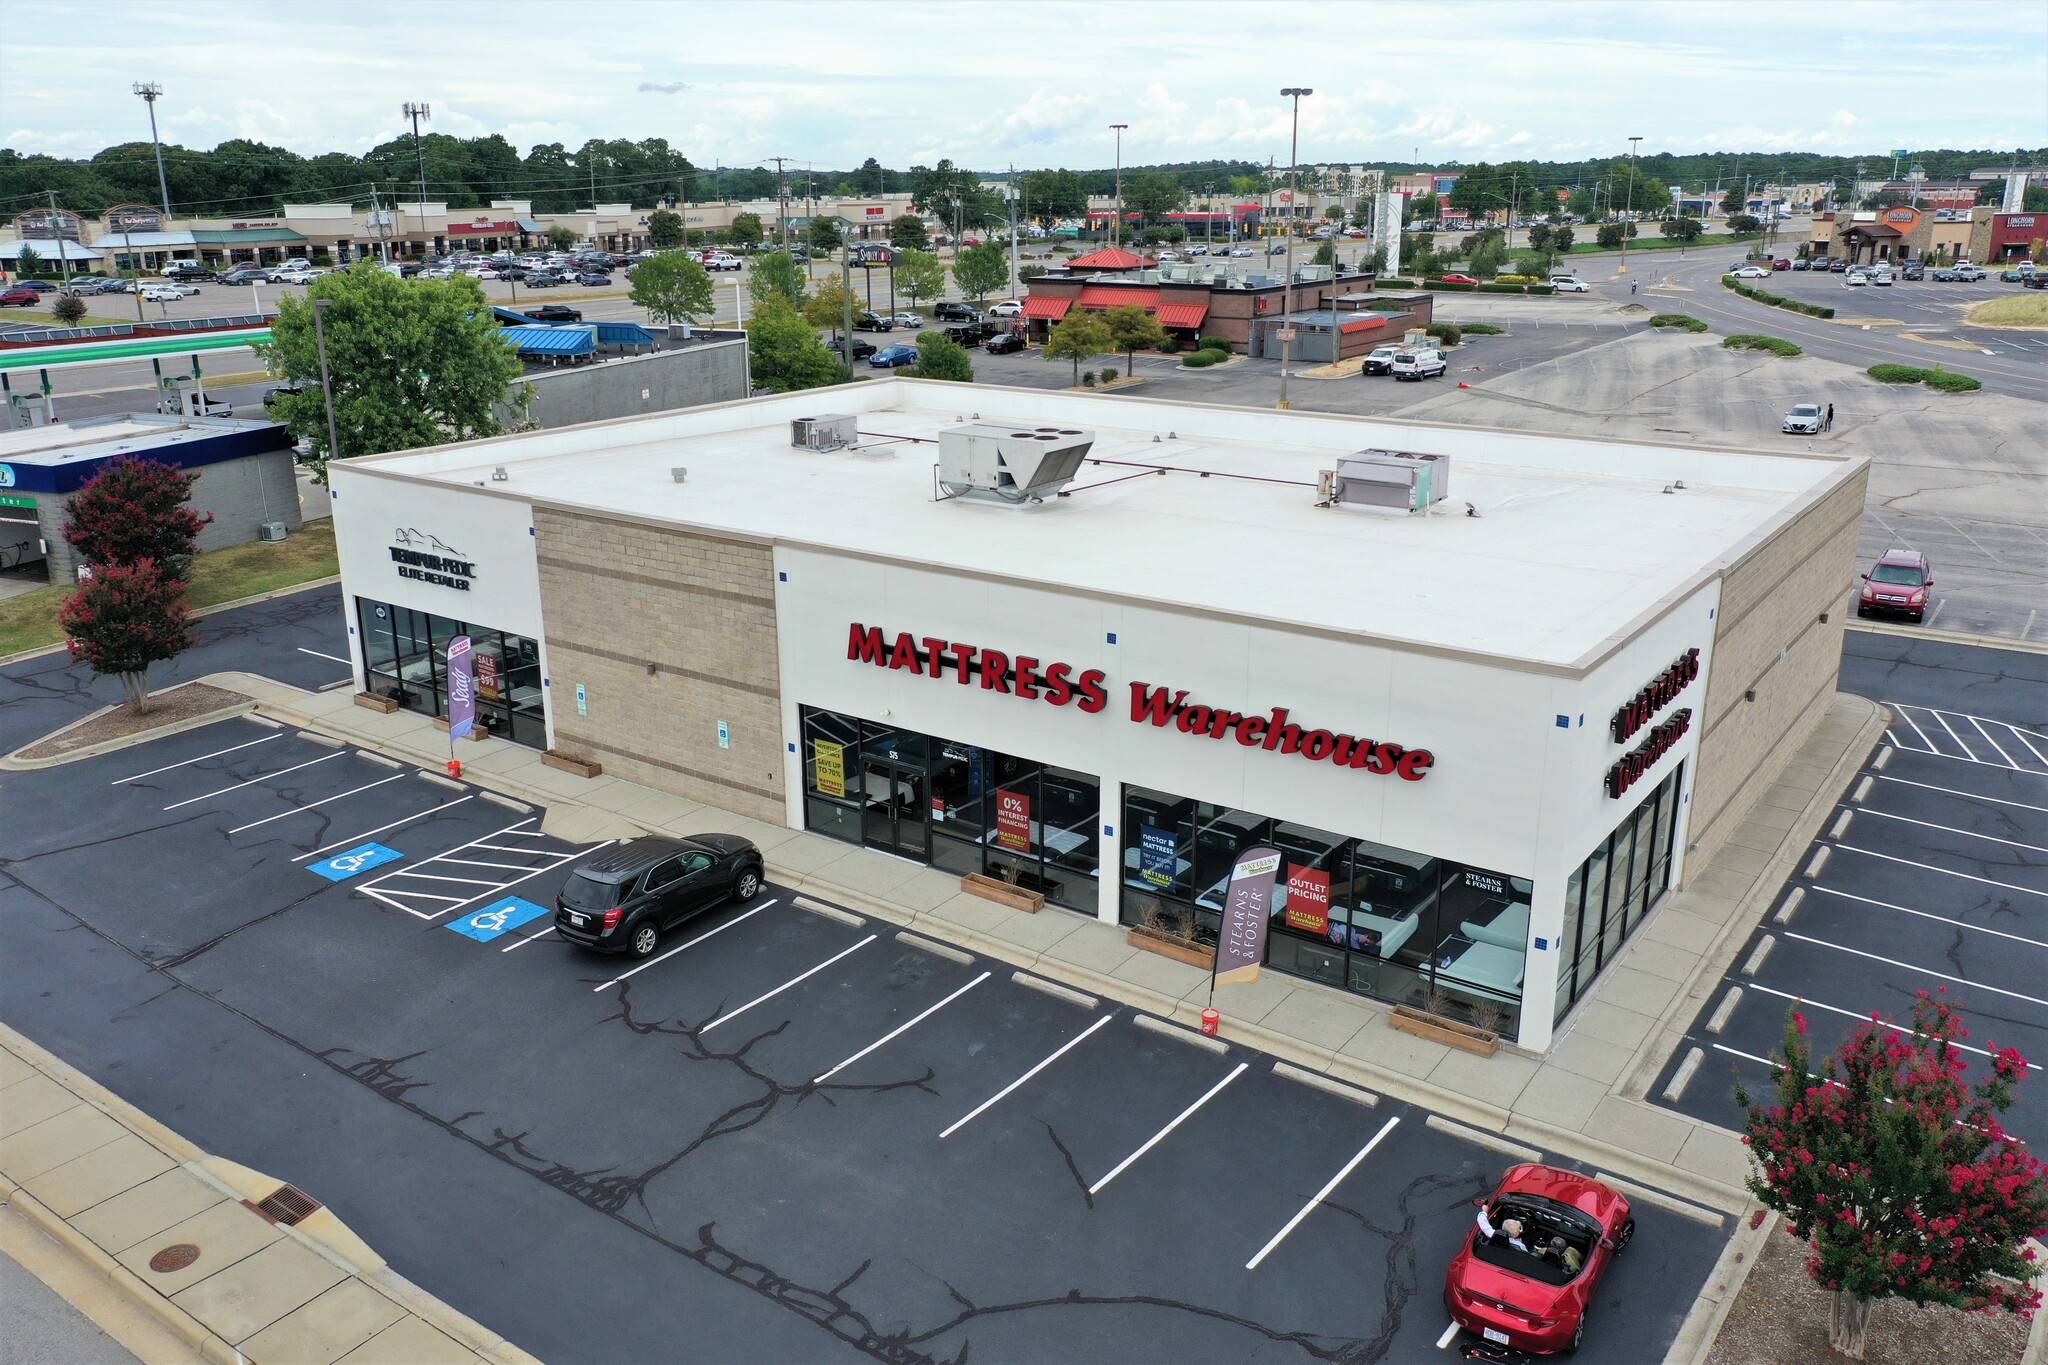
<point>790,1134</point>
<point>1931,874</point>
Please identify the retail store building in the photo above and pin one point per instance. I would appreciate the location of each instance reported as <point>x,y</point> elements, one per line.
<point>1486,736</point>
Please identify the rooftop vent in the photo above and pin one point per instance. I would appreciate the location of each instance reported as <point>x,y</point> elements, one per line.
<point>1388,478</point>
<point>1013,464</point>
<point>828,431</point>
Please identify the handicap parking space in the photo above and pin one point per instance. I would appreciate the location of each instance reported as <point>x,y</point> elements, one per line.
<point>1931,874</point>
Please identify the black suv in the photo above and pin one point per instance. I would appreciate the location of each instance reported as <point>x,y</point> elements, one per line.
<point>623,898</point>
<point>554,312</point>
<point>865,321</point>
<point>956,312</point>
<point>862,348</point>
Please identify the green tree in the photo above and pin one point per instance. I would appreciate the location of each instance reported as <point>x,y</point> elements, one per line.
<point>28,263</point>
<point>68,310</point>
<point>1735,201</point>
<point>664,230</point>
<point>1154,194</point>
<point>1743,222</point>
<point>919,276</point>
<point>1055,194</point>
<point>1077,337</point>
<point>824,235</point>
<point>1425,208</point>
<point>412,363</point>
<point>783,350</point>
<point>1897,1173</point>
<point>907,233</point>
<point>826,307</point>
<point>945,192</point>
<point>746,229</point>
<point>1684,228</point>
<point>1539,237</point>
<point>673,287</point>
<point>1561,239</point>
<point>1132,329</point>
<point>777,275</point>
<point>125,618</point>
<point>981,271</point>
<point>1583,205</point>
<point>941,357</point>
<point>1611,235</point>
<point>561,238</point>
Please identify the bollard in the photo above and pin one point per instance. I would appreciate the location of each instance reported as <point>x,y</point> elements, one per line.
<point>1212,1020</point>
<point>455,768</point>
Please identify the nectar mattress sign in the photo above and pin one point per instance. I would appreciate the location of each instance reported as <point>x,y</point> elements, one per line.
<point>1061,684</point>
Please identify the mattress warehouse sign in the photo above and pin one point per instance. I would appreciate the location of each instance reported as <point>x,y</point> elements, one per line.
<point>1639,711</point>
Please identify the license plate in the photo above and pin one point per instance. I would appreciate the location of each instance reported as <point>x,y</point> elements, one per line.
<point>1491,1335</point>
<point>578,920</point>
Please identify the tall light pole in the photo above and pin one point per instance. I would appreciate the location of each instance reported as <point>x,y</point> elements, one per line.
<point>320,307</point>
<point>1116,225</point>
<point>151,92</point>
<point>1293,92</point>
<point>1628,217</point>
<point>416,112</point>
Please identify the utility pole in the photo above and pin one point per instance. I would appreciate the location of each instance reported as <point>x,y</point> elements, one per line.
<point>781,201</point>
<point>1116,225</point>
<point>151,92</point>
<point>1293,92</point>
<point>1015,285</point>
<point>416,112</point>
<point>1628,220</point>
<point>64,252</point>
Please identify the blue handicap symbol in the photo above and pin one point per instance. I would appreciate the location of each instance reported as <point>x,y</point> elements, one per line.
<point>361,858</point>
<point>499,917</point>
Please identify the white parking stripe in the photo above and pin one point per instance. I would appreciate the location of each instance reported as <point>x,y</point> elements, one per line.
<point>1852,1014</point>
<point>990,1102</point>
<point>253,781</point>
<point>1930,867</point>
<point>478,862</point>
<point>900,1030</point>
<point>1951,829</point>
<point>415,895</point>
<point>734,1014</point>
<point>1951,791</point>
<point>1160,1136</point>
<point>318,655</point>
<point>430,877</point>
<point>1924,971</point>
<point>358,838</point>
<point>2022,735</point>
<point>1952,733</point>
<point>528,939</point>
<point>1322,1194</point>
<point>315,805</point>
<point>190,761</point>
<point>1928,914</point>
<point>1989,740</point>
<point>691,944</point>
<point>1916,730</point>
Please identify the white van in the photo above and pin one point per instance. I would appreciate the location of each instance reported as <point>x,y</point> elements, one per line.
<point>1569,284</point>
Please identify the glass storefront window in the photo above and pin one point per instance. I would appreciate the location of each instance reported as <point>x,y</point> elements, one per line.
<point>1615,888</point>
<point>405,657</point>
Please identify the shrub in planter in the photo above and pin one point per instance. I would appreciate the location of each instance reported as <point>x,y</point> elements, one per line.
<point>1446,333</point>
<point>1109,375</point>
<point>1213,344</point>
<point>1501,288</point>
<point>1681,320</point>
<point>1201,360</point>
<point>1541,289</point>
<point>1170,346</point>
<point>1396,284</point>
<point>1945,381</point>
<point>1453,287</point>
<point>1480,329</point>
<point>1087,379</point>
<point>1751,341</point>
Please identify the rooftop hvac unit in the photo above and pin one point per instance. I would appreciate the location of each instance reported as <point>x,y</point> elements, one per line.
<point>1014,464</point>
<point>1390,478</point>
<point>272,531</point>
<point>830,431</point>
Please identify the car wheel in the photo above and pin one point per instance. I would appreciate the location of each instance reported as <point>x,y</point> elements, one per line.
<point>1625,1236</point>
<point>1578,1334</point>
<point>646,938</point>
<point>748,886</point>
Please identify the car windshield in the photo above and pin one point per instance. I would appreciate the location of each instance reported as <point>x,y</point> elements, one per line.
<point>1896,573</point>
<point>585,892</point>
<point>1806,410</point>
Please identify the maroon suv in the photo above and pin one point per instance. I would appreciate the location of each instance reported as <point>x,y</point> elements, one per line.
<point>1897,584</point>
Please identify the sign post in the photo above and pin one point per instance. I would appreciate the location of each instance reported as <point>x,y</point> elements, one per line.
<point>461,697</point>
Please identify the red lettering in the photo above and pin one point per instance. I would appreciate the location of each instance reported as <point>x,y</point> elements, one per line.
<point>1147,703</point>
<point>1317,744</point>
<point>1275,724</point>
<point>1027,677</point>
<point>963,656</point>
<point>1093,697</point>
<point>1250,731</point>
<point>1413,764</point>
<point>1220,724</point>
<point>864,645</point>
<point>1382,758</point>
<point>995,671</point>
<point>1058,690</point>
<point>934,649</point>
<point>905,654</point>
<point>1192,720</point>
<point>1346,746</point>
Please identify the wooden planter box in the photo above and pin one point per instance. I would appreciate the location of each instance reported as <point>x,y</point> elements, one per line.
<point>477,733</point>
<point>1002,893</point>
<point>1179,949</point>
<point>370,701</point>
<point>569,763</point>
<point>1449,1032</point>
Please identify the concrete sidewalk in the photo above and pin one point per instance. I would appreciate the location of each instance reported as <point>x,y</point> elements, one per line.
<point>151,1222</point>
<point>1584,1097</point>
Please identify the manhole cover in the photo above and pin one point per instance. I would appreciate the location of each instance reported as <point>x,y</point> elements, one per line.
<point>176,1256</point>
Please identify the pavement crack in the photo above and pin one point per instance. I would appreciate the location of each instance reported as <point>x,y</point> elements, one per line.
<point>1072,1168</point>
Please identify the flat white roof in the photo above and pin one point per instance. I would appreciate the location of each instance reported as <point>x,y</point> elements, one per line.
<point>60,442</point>
<point>1574,545</point>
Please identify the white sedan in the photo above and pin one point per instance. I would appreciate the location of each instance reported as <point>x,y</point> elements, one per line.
<point>910,320</point>
<point>1241,251</point>
<point>1009,309</point>
<point>160,293</point>
<point>1752,272</point>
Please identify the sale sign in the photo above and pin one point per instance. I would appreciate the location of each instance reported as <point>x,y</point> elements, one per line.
<point>1013,821</point>
<point>1308,899</point>
<point>487,685</point>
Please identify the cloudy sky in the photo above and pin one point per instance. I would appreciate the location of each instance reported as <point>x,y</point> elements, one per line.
<point>990,84</point>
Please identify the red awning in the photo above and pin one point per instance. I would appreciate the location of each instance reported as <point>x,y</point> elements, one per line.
<point>1116,296</point>
<point>1363,324</point>
<point>1182,314</point>
<point>1046,308</point>
<point>1109,258</point>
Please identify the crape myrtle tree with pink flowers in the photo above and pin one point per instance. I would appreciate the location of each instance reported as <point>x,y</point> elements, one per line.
<point>1897,1173</point>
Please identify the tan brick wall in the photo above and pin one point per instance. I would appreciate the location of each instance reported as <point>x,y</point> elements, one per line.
<point>618,597</point>
<point>1769,639</point>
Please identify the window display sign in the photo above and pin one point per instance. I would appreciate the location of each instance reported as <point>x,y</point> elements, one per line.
<point>1308,899</point>
<point>1013,821</point>
<point>1158,857</point>
<point>831,763</point>
<point>1241,940</point>
<point>487,676</point>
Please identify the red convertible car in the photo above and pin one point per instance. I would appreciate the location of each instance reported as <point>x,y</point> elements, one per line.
<point>1527,1273</point>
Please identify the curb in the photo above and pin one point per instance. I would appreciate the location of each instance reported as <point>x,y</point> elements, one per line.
<point>1946,637</point>
<point>1702,1326</point>
<point>13,763</point>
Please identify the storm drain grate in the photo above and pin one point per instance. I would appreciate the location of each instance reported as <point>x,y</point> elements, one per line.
<point>288,1205</point>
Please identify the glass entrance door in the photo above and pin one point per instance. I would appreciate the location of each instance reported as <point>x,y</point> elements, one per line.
<point>894,819</point>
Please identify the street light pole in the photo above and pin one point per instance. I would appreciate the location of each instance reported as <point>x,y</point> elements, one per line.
<point>150,92</point>
<point>1293,92</point>
<point>320,307</point>
<point>416,112</point>
<point>1116,224</point>
<point>1628,218</point>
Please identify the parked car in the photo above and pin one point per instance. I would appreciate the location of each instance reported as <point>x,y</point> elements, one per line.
<point>18,297</point>
<point>1752,272</point>
<point>555,312</point>
<point>1417,364</point>
<point>2018,274</point>
<point>622,899</point>
<point>40,286</point>
<point>277,391</point>
<point>1569,284</point>
<point>861,348</point>
<point>1530,1300</point>
<point>1803,420</point>
<point>722,260</point>
<point>1915,271</point>
<point>1855,279</point>
<point>160,293</point>
<point>1379,361</point>
<point>245,274</point>
<point>1822,263</point>
<point>594,281</point>
<point>1782,263</point>
<point>1802,264</point>
<point>890,357</point>
<point>865,321</point>
<point>948,311</point>
<point>913,321</point>
<point>1241,251</point>
<point>1198,249</point>
<point>1896,585</point>
<point>83,285</point>
<point>1969,273</point>
<point>1003,343</point>
<point>1457,279</point>
<point>1011,308</point>
<point>541,279</point>
<point>2037,280</point>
